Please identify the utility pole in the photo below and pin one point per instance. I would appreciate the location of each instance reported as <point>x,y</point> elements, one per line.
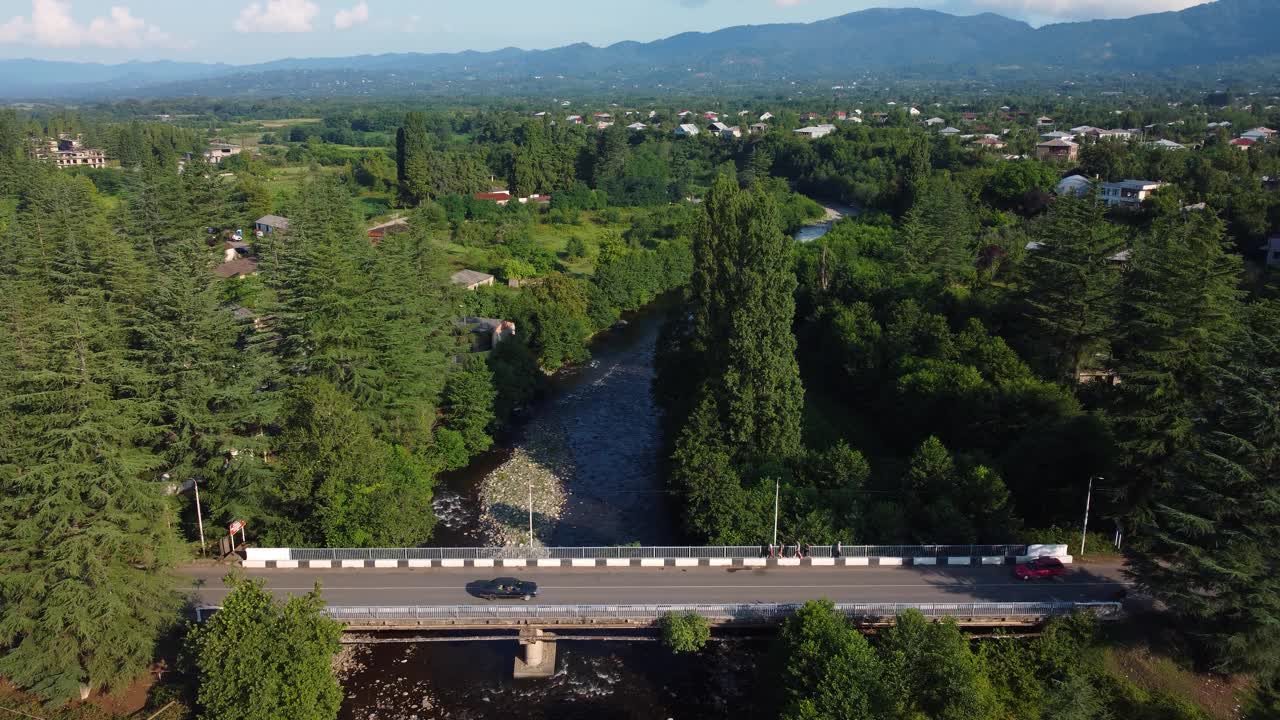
<point>1088,499</point>
<point>199,514</point>
<point>777,489</point>
<point>530,514</point>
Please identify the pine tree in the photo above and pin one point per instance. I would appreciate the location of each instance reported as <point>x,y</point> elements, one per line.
<point>1073,286</point>
<point>85,533</point>
<point>206,385</point>
<point>1179,315</point>
<point>1210,542</point>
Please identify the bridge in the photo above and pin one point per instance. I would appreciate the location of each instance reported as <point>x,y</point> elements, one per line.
<point>435,589</point>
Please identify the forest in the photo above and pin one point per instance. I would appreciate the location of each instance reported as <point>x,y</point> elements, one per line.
<point>952,365</point>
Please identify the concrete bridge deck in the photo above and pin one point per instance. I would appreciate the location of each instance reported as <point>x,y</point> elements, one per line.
<point>678,585</point>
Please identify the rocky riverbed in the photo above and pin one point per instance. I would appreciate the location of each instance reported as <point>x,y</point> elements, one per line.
<point>540,465</point>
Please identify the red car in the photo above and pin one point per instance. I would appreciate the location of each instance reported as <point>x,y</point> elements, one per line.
<point>1041,567</point>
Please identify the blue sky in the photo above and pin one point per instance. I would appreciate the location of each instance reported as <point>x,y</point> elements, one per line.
<point>247,31</point>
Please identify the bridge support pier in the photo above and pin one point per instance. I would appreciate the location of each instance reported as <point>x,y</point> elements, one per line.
<point>539,659</point>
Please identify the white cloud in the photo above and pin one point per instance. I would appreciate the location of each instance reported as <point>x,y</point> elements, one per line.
<point>283,16</point>
<point>1076,9</point>
<point>52,25</point>
<point>358,15</point>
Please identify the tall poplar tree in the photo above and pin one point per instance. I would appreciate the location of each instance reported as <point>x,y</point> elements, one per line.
<point>414,166</point>
<point>743,305</point>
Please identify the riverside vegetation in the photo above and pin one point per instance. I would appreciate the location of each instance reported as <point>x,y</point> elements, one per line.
<point>912,376</point>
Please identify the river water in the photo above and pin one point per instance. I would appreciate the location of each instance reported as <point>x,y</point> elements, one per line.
<point>835,213</point>
<point>616,495</point>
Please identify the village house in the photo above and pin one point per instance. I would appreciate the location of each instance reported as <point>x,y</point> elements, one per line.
<point>687,130</point>
<point>1043,122</point>
<point>949,131</point>
<point>989,143</point>
<point>1242,143</point>
<point>218,152</point>
<point>1058,150</point>
<point>67,151</point>
<point>732,132</point>
<point>1057,135</point>
<point>1167,145</point>
<point>1118,134</point>
<point>815,132</point>
<point>718,127</point>
<point>237,269</point>
<point>486,332</point>
<point>766,116</point>
<point>268,224</point>
<point>935,121</point>
<point>1260,134</point>
<point>1128,194</point>
<point>637,126</point>
<point>471,279</point>
<point>759,128</point>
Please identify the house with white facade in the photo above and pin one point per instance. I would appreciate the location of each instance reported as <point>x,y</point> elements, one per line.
<point>816,131</point>
<point>1128,194</point>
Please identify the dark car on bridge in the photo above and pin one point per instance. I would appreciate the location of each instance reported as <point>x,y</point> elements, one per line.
<point>508,589</point>
<point>1039,568</point>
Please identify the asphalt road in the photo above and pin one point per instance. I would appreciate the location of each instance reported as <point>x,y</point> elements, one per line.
<point>617,586</point>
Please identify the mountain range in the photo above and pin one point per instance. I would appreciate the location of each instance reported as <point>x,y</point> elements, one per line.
<point>926,43</point>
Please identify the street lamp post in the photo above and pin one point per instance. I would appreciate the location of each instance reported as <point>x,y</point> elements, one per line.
<point>199,515</point>
<point>531,514</point>
<point>1088,500</point>
<point>777,490</point>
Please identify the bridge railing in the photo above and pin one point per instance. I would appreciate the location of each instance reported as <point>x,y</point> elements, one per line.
<point>746,612</point>
<point>631,552</point>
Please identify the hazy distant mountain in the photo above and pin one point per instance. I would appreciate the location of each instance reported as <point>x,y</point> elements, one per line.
<point>929,43</point>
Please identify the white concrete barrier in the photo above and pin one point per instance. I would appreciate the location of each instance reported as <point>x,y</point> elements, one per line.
<point>385,564</point>
<point>686,562</point>
<point>652,562</point>
<point>992,559</point>
<point>265,554</point>
<point>617,562</point>
<point>320,564</point>
<point>508,562</point>
<point>548,562</point>
<point>753,562</point>
<point>453,563</point>
<point>582,562</point>
<point>419,563</point>
<point>857,561</point>
<point>957,560</point>
<point>924,561</point>
<point>254,564</point>
<point>890,561</point>
<point>821,562</point>
<point>720,562</point>
<point>1042,550</point>
<point>286,564</point>
<point>482,562</point>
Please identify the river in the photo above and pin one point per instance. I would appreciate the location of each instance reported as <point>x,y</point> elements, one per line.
<point>835,212</point>
<point>606,415</point>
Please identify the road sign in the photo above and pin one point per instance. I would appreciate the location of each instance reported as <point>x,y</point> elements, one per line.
<point>236,527</point>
